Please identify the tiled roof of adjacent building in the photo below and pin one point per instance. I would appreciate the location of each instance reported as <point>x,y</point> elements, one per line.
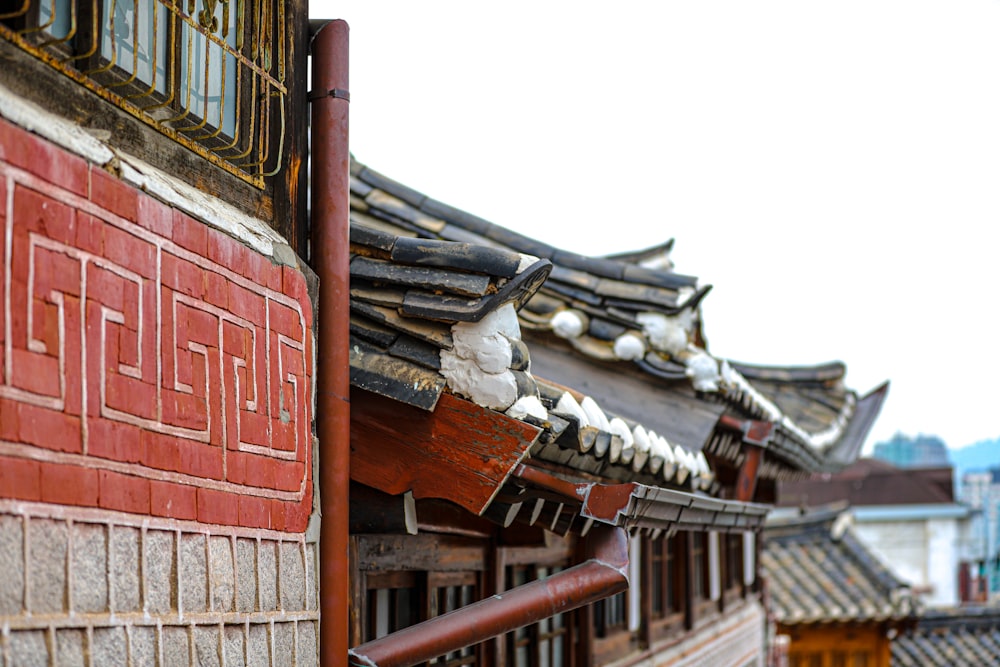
<point>955,638</point>
<point>873,482</point>
<point>630,311</point>
<point>818,572</point>
<point>406,295</point>
<point>428,314</point>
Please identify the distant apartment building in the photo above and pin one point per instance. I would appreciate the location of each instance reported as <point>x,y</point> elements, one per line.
<point>921,451</point>
<point>910,519</point>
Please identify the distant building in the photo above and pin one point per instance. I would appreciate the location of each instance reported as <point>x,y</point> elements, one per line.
<point>980,490</point>
<point>909,518</point>
<point>922,451</point>
<point>835,601</point>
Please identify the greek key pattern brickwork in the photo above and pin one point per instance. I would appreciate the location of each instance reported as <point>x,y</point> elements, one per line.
<point>141,347</point>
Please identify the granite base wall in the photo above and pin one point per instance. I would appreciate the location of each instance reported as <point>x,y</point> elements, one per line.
<point>93,588</point>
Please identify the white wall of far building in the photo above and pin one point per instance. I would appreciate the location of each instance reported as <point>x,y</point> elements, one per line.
<point>923,551</point>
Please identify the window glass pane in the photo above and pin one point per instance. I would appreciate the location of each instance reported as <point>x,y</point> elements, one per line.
<point>381,612</point>
<point>56,17</point>
<point>134,39</point>
<point>699,573</point>
<point>208,72</point>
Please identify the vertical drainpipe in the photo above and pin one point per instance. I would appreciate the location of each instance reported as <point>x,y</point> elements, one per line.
<point>330,231</point>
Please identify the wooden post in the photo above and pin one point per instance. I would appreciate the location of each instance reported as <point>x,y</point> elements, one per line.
<point>686,552</point>
<point>746,481</point>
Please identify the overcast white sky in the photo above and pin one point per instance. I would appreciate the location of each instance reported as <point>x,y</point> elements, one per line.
<point>832,168</point>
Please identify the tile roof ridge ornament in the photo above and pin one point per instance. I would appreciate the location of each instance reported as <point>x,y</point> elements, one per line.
<point>478,365</point>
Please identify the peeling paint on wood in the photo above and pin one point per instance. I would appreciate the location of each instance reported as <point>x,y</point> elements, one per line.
<point>460,452</point>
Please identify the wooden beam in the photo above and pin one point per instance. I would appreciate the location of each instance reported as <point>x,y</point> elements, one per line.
<point>459,452</point>
<point>746,480</point>
<point>372,511</point>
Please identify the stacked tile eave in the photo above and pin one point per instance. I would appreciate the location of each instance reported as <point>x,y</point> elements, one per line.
<point>630,307</point>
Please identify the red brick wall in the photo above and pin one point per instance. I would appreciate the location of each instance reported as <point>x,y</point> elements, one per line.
<point>148,363</point>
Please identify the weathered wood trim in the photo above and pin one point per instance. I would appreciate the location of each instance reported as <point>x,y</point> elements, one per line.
<point>460,452</point>
<point>746,480</point>
<point>436,553</point>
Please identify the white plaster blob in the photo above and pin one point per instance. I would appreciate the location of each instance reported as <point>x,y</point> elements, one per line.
<point>527,405</point>
<point>568,405</point>
<point>640,459</point>
<point>491,352</point>
<point>621,443</point>
<point>683,469</point>
<point>655,460</point>
<point>503,321</point>
<point>668,451</point>
<point>629,347</point>
<point>475,368</point>
<point>669,460</point>
<point>617,426</point>
<point>595,414</point>
<point>666,334</point>
<point>569,323</point>
<point>705,475</point>
<point>703,371</point>
<point>702,464</point>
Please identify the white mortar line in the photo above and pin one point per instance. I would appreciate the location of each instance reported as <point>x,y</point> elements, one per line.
<point>143,578</point>
<point>177,576</point>
<point>70,606</point>
<point>25,537</point>
<point>50,639</point>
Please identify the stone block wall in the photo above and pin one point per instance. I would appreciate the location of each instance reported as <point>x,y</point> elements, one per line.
<point>90,588</point>
<point>156,422</point>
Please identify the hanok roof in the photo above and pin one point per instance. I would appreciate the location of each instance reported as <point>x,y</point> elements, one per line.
<point>818,572</point>
<point>433,322</point>
<point>953,638</point>
<point>406,295</point>
<point>427,315</point>
<point>872,482</point>
<point>633,311</point>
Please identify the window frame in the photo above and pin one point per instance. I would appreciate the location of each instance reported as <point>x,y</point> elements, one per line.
<point>51,76</point>
<point>669,569</point>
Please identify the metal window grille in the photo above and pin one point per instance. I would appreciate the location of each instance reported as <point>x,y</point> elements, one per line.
<point>210,74</point>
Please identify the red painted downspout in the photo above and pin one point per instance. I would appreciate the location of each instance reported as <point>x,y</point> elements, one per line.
<point>330,231</point>
<point>602,575</point>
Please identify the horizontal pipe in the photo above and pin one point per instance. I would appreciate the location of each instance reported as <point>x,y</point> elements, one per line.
<point>603,574</point>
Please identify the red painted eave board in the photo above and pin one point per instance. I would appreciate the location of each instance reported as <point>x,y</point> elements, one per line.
<point>460,452</point>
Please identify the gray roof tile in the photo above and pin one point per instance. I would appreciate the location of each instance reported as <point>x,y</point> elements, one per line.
<point>967,637</point>
<point>816,577</point>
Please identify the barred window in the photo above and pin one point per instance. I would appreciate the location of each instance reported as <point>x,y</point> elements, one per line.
<point>699,566</point>
<point>397,600</point>
<point>544,643</point>
<point>210,74</point>
<point>666,571</point>
<point>734,561</point>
